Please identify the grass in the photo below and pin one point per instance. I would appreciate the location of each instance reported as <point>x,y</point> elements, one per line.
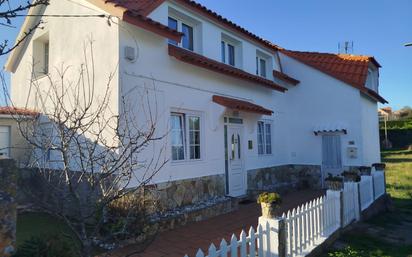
<point>40,224</point>
<point>399,186</point>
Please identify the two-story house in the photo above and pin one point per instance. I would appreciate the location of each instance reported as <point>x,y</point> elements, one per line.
<point>242,113</point>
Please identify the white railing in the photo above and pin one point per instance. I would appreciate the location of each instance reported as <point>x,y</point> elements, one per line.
<point>246,245</point>
<point>378,183</point>
<point>310,224</point>
<point>304,228</point>
<point>350,203</point>
<point>366,191</point>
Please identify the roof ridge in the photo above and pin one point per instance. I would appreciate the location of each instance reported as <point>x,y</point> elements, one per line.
<point>326,53</point>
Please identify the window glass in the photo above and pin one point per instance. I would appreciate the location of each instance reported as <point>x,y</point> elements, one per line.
<point>223,49</point>
<point>46,58</point>
<point>177,137</point>
<point>260,135</point>
<point>262,68</point>
<point>194,135</point>
<point>187,40</point>
<point>233,147</point>
<point>268,138</point>
<point>238,146</point>
<point>173,25</point>
<point>231,54</point>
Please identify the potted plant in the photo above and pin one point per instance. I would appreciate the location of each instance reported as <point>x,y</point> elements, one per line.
<point>379,166</point>
<point>352,176</point>
<point>270,203</point>
<point>334,182</point>
<point>365,170</point>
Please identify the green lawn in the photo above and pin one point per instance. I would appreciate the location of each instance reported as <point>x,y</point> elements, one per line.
<point>399,186</point>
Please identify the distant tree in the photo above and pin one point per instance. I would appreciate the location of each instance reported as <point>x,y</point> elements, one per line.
<point>405,112</point>
<point>9,11</point>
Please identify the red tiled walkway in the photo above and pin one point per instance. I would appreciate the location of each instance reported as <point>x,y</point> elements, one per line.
<point>188,239</point>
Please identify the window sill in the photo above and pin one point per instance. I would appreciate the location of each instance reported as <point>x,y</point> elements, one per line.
<point>185,162</point>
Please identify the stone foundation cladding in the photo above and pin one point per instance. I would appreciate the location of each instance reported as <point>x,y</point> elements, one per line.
<point>283,179</point>
<point>8,207</point>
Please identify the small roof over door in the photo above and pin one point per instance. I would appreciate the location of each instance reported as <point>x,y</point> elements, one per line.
<point>241,105</point>
<point>330,128</point>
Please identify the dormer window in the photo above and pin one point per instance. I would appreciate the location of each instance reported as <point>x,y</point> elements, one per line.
<point>372,80</point>
<point>261,66</point>
<point>187,30</point>
<point>228,53</point>
<point>231,51</point>
<point>41,55</point>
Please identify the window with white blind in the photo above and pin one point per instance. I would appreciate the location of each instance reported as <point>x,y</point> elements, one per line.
<point>186,136</point>
<point>264,137</point>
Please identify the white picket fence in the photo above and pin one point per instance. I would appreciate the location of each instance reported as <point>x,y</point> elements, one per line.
<point>350,203</point>
<point>310,224</point>
<point>305,227</point>
<point>378,183</point>
<point>245,245</point>
<point>366,191</point>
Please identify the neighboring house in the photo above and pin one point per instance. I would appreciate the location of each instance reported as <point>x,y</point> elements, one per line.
<point>12,143</point>
<point>244,114</point>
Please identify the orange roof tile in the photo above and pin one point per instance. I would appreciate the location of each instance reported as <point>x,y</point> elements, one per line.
<point>207,63</point>
<point>8,110</point>
<point>351,69</point>
<point>240,105</point>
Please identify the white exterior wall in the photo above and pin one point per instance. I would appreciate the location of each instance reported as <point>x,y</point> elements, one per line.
<point>181,86</point>
<point>320,100</point>
<point>370,131</point>
<point>68,37</point>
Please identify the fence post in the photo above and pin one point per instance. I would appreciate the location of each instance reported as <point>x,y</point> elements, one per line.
<point>373,187</point>
<point>359,201</point>
<point>282,235</point>
<point>342,209</point>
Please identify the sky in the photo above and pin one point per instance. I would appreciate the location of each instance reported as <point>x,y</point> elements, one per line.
<point>379,28</point>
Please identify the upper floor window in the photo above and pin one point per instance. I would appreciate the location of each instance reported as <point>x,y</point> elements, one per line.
<point>261,66</point>
<point>41,55</point>
<point>264,134</point>
<point>187,30</point>
<point>186,136</point>
<point>372,80</point>
<point>228,53</point>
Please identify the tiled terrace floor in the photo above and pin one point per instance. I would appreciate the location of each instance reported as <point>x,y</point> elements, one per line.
<point>188,239</point>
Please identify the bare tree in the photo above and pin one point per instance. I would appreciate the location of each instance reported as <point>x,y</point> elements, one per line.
<point>10,10</point>
<point>88,155</point>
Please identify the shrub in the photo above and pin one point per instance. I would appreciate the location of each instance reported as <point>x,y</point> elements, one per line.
<point>347,252</point>
<point>332,178</point>
<point>267,197</point>
<point>48,246</point>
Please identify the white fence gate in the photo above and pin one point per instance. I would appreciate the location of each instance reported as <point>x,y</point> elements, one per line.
<point>350,203</point>
<point>366,191</point>
<point>378,183</point>
<point>310,224</point>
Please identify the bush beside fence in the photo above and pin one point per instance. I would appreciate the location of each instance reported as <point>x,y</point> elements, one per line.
<point>299,231</point>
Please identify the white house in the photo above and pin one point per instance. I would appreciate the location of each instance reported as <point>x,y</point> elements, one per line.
<point>244,114</point>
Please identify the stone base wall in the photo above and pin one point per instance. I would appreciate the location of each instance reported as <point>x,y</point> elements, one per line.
<point>283,179</point>
<point>175,194</point>
<point>8,207</point>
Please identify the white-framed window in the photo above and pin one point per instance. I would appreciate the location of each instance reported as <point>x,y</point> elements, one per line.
<point>264,137</point>
<point>228,53</point>
<point>41,55</point>
<point>261,66</point>
<point>372,80</point>
<point>187,30</point>
<point>186,136</point>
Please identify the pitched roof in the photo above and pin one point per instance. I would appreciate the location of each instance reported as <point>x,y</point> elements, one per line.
<point>285,78</point>
<point>351,69</point>
<point>240,105</point>
<point>145,7</point>
<point>8,110</point>
<point>210,64</point>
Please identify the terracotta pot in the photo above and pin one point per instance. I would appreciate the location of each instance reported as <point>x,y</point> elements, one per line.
<point>268,209</point>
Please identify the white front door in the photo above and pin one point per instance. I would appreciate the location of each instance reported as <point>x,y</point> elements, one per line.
<point>331,155</point>
<point>235,154</point>
<point>4,142</point>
